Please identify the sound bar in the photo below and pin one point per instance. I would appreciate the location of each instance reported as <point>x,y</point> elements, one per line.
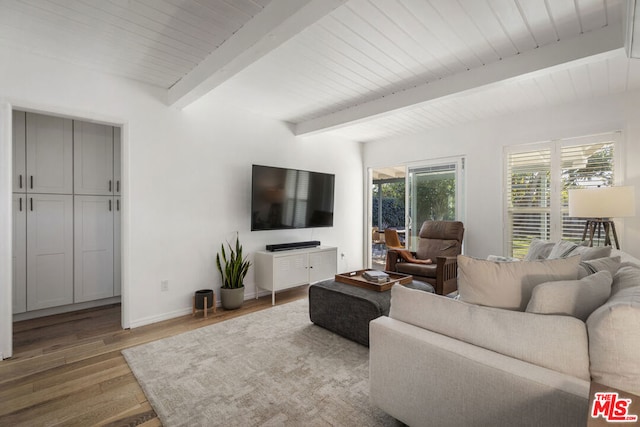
<point>293,245</point>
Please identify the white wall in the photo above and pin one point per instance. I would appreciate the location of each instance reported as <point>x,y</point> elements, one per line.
<point>483,142</point>
<point>186,178</point>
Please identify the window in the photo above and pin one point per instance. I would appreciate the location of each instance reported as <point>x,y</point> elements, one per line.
<point>538,178</point>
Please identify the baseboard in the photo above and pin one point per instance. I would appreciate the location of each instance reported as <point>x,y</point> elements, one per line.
<point>27,315</point>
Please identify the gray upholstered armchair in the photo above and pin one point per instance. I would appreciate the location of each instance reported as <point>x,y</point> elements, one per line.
<point>441,242</point>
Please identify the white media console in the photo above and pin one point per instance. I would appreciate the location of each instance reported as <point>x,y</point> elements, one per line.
<point>275,271</point>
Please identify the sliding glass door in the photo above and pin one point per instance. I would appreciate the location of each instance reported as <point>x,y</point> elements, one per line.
<point>401,198</point>
<point>435,193</point>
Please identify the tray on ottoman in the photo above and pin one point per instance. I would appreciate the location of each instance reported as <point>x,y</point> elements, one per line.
<point>355,278</point>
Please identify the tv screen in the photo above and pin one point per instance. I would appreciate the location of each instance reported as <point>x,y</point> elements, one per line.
<point>290,198</point>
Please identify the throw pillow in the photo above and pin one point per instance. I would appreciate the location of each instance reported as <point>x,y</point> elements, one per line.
<point>611,265</point>
<point>577,298</point>
<point>509,284</point>
<point>539,249</point>
<point>565,249</point>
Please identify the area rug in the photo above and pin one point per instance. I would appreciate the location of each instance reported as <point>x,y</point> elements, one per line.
<point>269,368</point>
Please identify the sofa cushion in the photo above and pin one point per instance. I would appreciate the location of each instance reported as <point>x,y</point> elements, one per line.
<point>611,264</point>
<point>614,341</point>
<point>509,284</point>
<point>525,336</point>
<point>627,276</point>
<point>577,298</point>
<point>539,249</point>
<point>565,249</point>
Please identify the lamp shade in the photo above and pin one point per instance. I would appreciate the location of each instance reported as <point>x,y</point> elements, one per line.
<point>603,202</point>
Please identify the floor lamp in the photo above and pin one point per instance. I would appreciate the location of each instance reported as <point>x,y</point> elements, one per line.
<point>598,206</point>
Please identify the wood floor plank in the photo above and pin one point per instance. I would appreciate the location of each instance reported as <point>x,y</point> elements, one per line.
<point>67,369</point>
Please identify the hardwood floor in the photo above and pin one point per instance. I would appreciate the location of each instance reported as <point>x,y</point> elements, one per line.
<point>67,369</point>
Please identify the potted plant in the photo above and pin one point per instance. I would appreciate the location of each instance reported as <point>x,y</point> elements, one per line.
<point>233,268</point>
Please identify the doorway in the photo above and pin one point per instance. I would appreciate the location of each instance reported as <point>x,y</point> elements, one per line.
<point>388,201</point>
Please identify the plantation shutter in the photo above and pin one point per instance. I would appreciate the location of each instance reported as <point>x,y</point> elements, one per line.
<point>538,180</point>
<point>528,198</point>
<point>583,166</point>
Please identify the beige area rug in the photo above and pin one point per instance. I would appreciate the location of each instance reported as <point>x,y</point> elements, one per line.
<point>270,368</point>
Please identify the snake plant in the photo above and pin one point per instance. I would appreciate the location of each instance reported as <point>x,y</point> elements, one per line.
<point>232,266</point>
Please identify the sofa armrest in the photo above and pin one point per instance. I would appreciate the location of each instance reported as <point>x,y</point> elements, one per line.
<point>424,378</point>
<point>555,342</point>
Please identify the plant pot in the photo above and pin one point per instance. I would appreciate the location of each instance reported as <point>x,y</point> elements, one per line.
<point>201,295</point>
<point>232,298</point>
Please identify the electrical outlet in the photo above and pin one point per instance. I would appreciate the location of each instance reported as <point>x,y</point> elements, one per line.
<point>164,285</point>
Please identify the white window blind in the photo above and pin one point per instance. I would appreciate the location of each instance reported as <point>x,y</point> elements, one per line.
<point>537,182</point>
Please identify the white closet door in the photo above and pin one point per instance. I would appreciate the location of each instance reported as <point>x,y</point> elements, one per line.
<point>19,152</point>
<point>19,253</point>
<point>93,158</point>
<point>49,154</point>
<point>93,266</point>
<point>117,153</point>
<point>49,250</point>
<point>117,265</point>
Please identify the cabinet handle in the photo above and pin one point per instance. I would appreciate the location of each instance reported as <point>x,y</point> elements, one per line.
<point>118,205</point>
<point>31,203</point>
<point>20,179</point>
<point>109,186</point>
<point>118,186</point>
<point>20,203</point>
<point>31,181</point>
<point>109,205</point>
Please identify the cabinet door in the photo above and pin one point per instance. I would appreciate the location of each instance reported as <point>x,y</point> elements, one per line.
<point>49,154</point>
<point>19,253</point>
<point>19,152</point>
<point>323,265</point>
<point>117,153</point>
<point>117,265</point>
<point>49,250</point>
<point>290,270</point>
<point>93,158</point>
<point>93,261</point>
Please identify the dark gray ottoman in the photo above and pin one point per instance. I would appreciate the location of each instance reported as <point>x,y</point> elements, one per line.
<point>347,309</point>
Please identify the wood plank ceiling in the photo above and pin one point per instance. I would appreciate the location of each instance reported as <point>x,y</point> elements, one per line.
<point>352,57</point>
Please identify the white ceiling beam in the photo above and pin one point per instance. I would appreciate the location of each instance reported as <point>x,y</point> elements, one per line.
<point>606,41</point>
<point>276,23</point>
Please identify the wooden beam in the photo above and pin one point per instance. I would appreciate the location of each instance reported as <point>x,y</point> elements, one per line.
<point>605,41</point>
<point>276,23</point>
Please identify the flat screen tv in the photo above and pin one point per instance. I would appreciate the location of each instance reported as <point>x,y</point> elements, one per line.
<point>290,198</point>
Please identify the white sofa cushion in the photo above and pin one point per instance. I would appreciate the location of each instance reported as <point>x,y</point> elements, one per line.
<point>565,249</point>
<point>627,276</point>
<point>539,249</point>
<point>577,298</point>
<point>614,341</point>
<point>509,284</point>
<point>525,336</point>
<point>611,264</point>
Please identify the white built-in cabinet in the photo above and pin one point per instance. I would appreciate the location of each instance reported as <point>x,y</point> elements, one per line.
<point>275,271</point>
<point>49,250</point>
<point>19,243</point>
<point>93,159</point>
<point>93,257</point>
<point>66,211</point>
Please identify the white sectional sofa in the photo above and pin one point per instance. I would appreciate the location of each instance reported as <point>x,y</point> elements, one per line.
<point>526,361</point>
